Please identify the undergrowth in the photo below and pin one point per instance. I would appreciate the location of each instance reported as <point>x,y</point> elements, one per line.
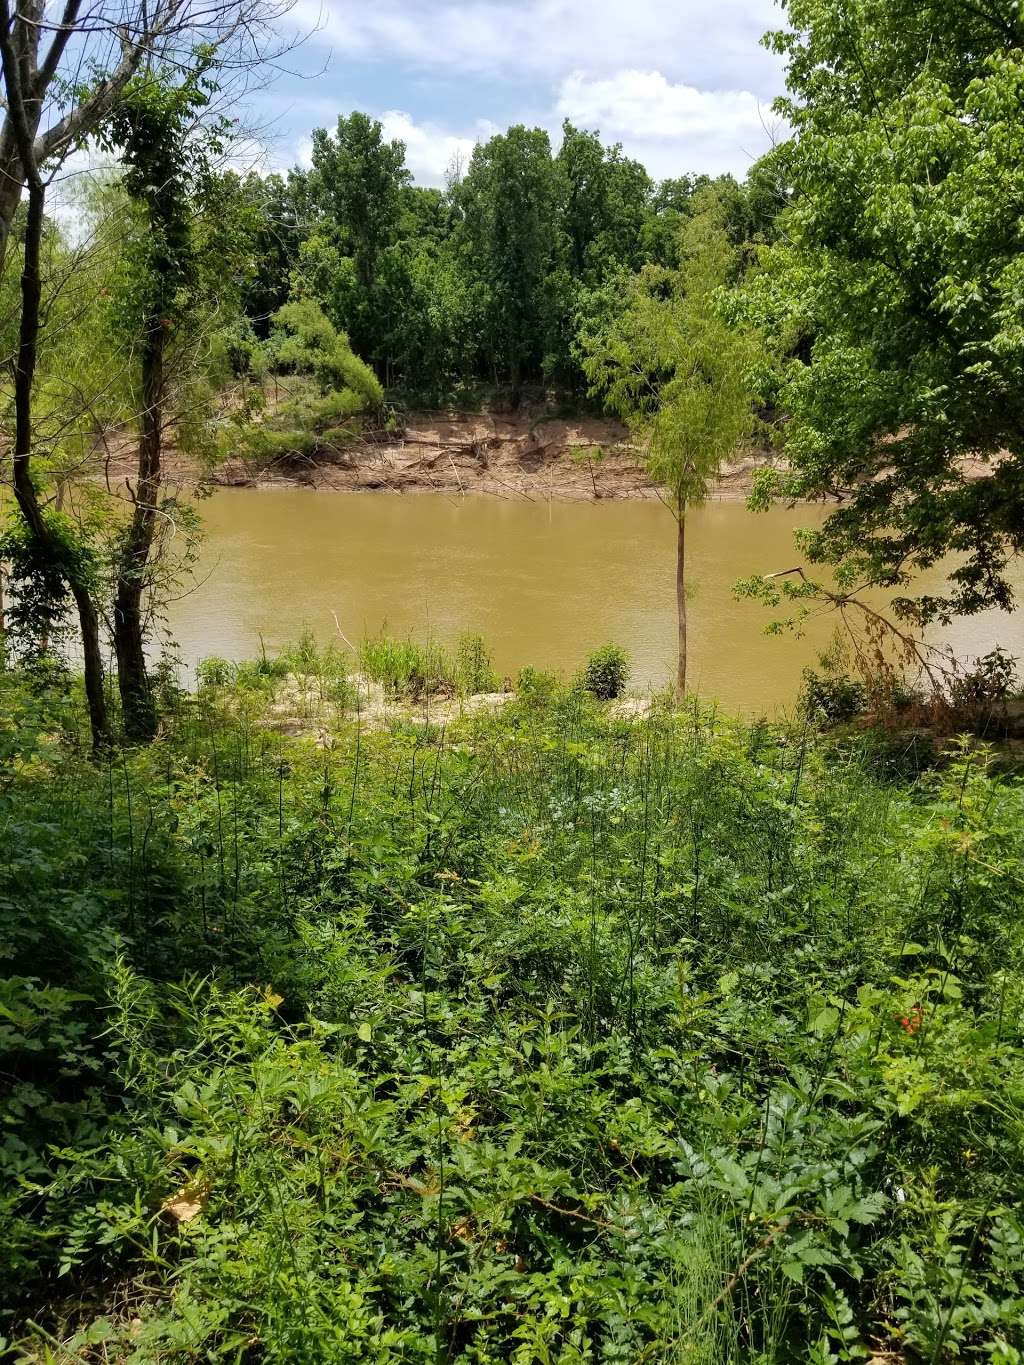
<point>407,668</point>
<point>550,1037</point>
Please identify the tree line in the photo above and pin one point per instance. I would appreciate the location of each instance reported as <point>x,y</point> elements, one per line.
<point>489,281</point>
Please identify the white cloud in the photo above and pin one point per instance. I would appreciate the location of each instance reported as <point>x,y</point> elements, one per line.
<point>517,40</point>
<point>68,193</point>
<point>671,128</point>
<point>301,155</point>
<point>429,150</point>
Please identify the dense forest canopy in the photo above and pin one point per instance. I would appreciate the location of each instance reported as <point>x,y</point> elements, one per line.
<point>490,280</point>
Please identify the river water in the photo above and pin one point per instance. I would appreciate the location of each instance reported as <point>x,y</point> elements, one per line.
<point>543,582</point>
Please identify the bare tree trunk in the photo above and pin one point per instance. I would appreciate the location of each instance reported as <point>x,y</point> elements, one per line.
<point>89,625</point>
<point>129,643</point>
<point>681,599</point>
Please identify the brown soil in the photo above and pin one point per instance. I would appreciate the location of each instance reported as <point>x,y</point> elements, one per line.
<point>520,456</point>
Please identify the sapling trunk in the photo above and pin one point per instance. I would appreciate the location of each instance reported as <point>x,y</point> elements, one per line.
<point>681,599</point>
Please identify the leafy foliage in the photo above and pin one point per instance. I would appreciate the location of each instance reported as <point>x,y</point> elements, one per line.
<point>310,422</point>
<point>671,366</point>
<point>606,672</point>
<point>895,291</point>
<point>558,1037</point>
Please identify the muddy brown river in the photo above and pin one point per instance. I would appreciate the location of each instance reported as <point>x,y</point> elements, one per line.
<point>543,582</point>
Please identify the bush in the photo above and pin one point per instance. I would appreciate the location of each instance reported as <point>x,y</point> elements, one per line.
<point>991,682</point>
<point>537,686</point>
<point>606,672</point>
<point>474,671</point>
<point>831,698</point>
<point>214,672</point>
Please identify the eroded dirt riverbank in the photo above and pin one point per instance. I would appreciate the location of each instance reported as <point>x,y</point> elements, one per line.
<point>521,455</point>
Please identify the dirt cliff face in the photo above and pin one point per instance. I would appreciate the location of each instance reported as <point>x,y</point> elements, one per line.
<point>513,456</point>
<point>519,455</point>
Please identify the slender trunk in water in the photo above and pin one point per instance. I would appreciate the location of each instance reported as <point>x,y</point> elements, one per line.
<point>681,599</point>
<point>129,637</point>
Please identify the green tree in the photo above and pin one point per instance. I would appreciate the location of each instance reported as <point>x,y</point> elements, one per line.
<point>335,389</point>
<point>357,182</point>
<point>897,292</point>
<point>165,176</point>
<point>510,201</point>
<point>51,556</point>
<point>303,340</point>
<point>606,197</point>
<point>62,80</point>
<point>263,218</point>
<point>677,373</point>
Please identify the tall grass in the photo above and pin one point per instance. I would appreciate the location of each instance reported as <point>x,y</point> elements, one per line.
<point>407,668</point>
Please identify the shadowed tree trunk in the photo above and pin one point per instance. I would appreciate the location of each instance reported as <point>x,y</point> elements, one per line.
<point>129,636</point>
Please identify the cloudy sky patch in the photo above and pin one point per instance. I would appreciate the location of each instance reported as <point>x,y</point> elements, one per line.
<point>684,86</point>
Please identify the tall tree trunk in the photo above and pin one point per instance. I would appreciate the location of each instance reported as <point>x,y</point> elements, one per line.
<point>24,489</point>
<point>19,44</point>
<point>89,626</point>
<point>129,637</point>
<point>681,598</point>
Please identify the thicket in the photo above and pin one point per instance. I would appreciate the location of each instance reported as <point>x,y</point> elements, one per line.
<point>549,1037</point>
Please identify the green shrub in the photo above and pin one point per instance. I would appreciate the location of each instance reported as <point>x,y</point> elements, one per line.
<point>534,685</point>
<point>474,671</point>
<point>606,672</point>
<point>214,672</point>
<point>991,682</point>
<point>831,698</point>
<point>261,673</point>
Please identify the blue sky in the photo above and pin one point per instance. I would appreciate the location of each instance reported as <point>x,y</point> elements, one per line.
<point>684,86</point>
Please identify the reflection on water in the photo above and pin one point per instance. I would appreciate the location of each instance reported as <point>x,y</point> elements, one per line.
<point>544,583</point>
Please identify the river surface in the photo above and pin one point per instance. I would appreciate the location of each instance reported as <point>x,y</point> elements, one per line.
<point>543,582</point>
